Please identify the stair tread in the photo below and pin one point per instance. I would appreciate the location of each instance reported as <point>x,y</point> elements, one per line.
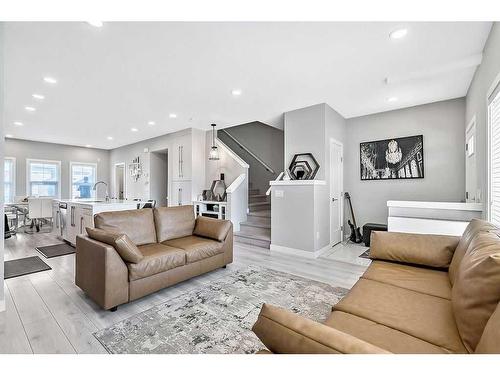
<point>262,213</point>
<point>257,196</point>
<point>257,225</point>
<point>252,236</point>
<point>253,204</point>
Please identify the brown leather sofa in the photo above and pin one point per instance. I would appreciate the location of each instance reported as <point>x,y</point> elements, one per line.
<point>421,294</point>
<point>137,252</point>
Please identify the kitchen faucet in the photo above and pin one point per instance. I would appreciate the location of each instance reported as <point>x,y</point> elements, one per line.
<point>105,184</point>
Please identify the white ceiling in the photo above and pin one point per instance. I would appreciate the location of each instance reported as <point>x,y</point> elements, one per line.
<point>123,75</point>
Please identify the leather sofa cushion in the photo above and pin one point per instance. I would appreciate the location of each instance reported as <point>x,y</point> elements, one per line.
<point>196,248</point>
<point>282,331</point>
<point>420,315</point>
<point>424,280</point>
<point>474,227</point>
<point>121,242</point>
<point>212,228</point>
<point>174,222</point>
<point>382,336</point>
<point>490,340</point>
<point>137,224</point>
<point>157,258</point>
<point>422,249</point>
<point>476,292</point>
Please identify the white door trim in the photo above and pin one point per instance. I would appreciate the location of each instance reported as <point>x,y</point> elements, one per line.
<point>341,201</point>
<point>124,180</point>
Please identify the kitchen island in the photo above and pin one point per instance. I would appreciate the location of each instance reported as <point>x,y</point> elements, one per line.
<point>72,216</point>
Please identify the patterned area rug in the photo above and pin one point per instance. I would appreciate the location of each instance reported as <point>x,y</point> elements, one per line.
<point>365,255</point>
<point>218,318</point>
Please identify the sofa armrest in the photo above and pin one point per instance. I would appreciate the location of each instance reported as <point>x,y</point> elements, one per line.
<point>284,332</point>
<point>101,273</point>
<point>212,228</point>
<point>423,249</point>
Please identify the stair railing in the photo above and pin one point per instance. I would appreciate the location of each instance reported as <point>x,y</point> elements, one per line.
<point>243,147</point>
<point>279,178</point>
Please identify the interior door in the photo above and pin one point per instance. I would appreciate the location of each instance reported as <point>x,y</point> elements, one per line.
<point>336,187</point>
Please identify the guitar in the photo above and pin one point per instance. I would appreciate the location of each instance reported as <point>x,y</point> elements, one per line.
<point>355,231</point>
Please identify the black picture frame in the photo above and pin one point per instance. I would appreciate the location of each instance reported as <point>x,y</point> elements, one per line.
<point>373,165</point>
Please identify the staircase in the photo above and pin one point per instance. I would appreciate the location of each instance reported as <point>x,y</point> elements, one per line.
<point>256,230</point>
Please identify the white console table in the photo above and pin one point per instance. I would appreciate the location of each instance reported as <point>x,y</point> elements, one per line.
<point>448,218</point>
<point>211,209</point>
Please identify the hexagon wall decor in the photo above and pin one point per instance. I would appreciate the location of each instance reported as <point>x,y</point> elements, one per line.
<point>303,167</point>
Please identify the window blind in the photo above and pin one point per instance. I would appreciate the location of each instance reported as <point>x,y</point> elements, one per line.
<point>494,123</point>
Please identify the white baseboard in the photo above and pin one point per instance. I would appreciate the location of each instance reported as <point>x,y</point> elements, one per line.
<point>298,252</point>
<point>2,305</point>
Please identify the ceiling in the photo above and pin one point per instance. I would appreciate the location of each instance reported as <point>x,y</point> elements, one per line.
<point>125,74</point>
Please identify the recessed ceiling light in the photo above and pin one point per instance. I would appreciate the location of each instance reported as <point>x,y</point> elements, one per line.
<point>18,123</point>
<point>151,123</point>
<point>88,146</point>
<point>392,99</point>
<point>236,92</point>
<point>134,129</point>
<point>51,80</point>
<point>398,34</point>
<point>29,108</point>
<point>38,96</point>
<point>172,115</point>
<point>8,135</point>
<point>109,138</point>
<point>95,23</point>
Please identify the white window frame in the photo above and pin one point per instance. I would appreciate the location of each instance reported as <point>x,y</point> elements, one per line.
<point>14,166</point>
<point>71,164</point>
<point>28,177</point>
<point>492,89</point>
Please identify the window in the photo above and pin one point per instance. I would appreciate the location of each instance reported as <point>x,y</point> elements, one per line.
<point>494,157</point>
<point>43,178</point>
<point>83,178</point>
<point>9,179</point>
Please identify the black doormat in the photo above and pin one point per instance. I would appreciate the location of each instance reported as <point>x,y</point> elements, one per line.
<point>365,255</point>
<point>24,266</point>
<point>56,250</point>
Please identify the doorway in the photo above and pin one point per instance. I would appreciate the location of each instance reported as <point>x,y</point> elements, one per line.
<point>336,191</point>
<point>159,177</point>
<point>120,182</point>
<point>471,191</point>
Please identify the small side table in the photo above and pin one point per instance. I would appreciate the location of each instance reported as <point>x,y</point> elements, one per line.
<point>367,231</point>
<point>217,210</point>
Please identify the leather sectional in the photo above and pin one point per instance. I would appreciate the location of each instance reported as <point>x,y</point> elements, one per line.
<point>421,294</point>
<point>133,253</point>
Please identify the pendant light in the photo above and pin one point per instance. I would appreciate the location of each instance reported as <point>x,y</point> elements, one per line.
<point>214,151</point>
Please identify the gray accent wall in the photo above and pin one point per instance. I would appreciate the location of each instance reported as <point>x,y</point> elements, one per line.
<point>22,150</point>
<point>442,125</point>
<point>476,105</point>
<point>264,141</point>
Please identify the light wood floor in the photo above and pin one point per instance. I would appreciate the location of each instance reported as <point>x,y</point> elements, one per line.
<point>47,313</point>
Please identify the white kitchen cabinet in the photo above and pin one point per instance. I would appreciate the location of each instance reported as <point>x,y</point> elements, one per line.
<point>180,194</point>
<point>85,219</point>
<point>181,158</point>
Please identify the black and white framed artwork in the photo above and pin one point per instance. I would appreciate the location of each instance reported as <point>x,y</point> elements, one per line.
<point>392,159</point>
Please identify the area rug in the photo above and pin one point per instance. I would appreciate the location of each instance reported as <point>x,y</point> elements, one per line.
<point>218,318</point>
<point>56,250</point>
<point>24,266</point>
<point>365,255</point>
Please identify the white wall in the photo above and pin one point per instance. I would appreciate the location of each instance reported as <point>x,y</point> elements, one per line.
<point>476,103</point>
<point>442,125</point>
<point>22,150</point>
